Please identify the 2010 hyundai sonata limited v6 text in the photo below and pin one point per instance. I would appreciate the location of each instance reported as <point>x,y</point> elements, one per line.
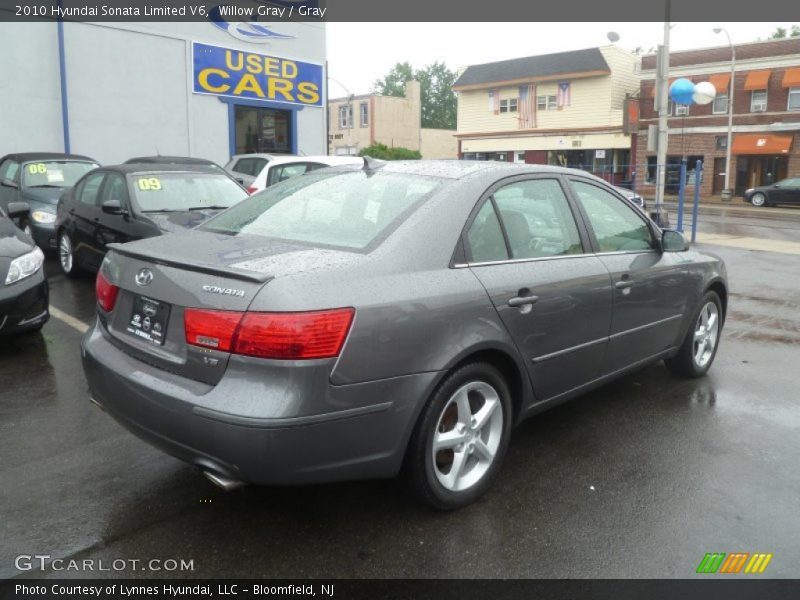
<point>352,321</point>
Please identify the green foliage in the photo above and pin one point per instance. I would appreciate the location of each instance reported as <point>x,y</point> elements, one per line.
<point>435,82</point>
<point>781,33</point>
<point>383,152</point>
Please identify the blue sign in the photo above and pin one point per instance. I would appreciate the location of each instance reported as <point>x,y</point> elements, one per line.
<point>252,76</point>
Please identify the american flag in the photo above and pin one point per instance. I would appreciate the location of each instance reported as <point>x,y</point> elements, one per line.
<point>527,106</point>
<point>563,95</point>
<point>494,101</point>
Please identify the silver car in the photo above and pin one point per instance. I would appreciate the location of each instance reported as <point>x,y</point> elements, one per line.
<point>353,321</point>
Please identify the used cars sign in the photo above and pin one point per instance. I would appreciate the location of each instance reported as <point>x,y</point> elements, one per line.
<point>239,74</point>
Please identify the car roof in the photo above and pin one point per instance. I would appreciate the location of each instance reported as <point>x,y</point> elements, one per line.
<point>170,160</point>
<point>259,155</point>
<point>326,160</point>
<point>128,168</point>
<point>29,156</point>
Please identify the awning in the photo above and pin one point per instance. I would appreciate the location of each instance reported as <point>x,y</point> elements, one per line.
<point>655,86</point>
<point>720,82</point>
<point>757,80</point>
<point>791,77</point>
<point>761,143</point>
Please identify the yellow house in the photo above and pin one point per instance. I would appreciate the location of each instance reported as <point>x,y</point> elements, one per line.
<point>356,122</point>
<point>559,109</point>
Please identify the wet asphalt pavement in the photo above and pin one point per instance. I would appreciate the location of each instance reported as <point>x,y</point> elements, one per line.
<point>638,479</point>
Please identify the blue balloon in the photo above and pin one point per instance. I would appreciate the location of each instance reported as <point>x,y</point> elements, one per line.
<point>681,91</point>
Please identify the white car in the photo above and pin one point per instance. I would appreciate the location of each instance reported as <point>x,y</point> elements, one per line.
<point>277,168</point>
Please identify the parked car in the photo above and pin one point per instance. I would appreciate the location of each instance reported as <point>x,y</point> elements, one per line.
<point>632,197</point>
<point>281,168</point>
<point>785,191</point>
<point>39,179</point>
<point>134,201</point>
<point>245,167</point>
<point>353,320</point>
<point>23,293</point>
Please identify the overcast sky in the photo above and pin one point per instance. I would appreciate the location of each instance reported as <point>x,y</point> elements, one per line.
<point>360,53</point>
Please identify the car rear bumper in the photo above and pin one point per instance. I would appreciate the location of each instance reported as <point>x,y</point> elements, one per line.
<point>365,438</point>
<point>24,305</point>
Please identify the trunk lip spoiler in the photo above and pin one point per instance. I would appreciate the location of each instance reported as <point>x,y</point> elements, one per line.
<point>200,267</point>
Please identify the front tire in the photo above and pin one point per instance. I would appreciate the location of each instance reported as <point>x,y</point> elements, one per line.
<point>758,199</point>
<point>699,347</point>
<point>66,255</point>
<point>461,437</point>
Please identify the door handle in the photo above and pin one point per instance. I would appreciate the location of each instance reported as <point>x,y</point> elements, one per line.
<point>518,301</point>
<point>624,284</point>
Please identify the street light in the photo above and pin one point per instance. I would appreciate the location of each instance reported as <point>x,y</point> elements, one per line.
<point>727,193</point>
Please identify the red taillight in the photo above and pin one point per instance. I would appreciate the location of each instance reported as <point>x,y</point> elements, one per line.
<point>210,328</point>
<point>106,293</point>
<point>251,190</point>
<point>289,336</point>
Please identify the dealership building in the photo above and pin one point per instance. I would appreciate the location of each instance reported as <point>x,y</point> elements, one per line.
<point>206,89</point>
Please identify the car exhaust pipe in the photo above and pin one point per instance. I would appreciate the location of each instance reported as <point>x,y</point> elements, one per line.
<point>226,483</point>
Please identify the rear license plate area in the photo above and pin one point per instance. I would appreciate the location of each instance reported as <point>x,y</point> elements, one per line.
<point>149,319</point>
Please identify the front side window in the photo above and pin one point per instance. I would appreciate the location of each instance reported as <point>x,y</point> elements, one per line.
<point>88,194</point>
<point>616,224</point>
<point>537,219</point>
<point>63,174</point>
<point>115,189</point>
<point>794,99</point>
<point>350,210</point>
<point>170,191</point>
<point>9,170</point>
<point>758,101</point>
<point>720,105</point>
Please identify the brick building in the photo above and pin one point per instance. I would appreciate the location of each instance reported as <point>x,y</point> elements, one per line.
<point>766,117</point>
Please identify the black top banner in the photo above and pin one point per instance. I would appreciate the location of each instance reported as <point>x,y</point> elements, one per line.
<point>399,11</point>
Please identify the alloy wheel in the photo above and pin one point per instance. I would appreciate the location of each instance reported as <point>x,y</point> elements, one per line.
<point>706,332</point>
<point>65,253</point>
<point>467,436</point>
<point>758,199</point>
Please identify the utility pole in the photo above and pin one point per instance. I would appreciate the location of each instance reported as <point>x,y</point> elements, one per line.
<point>662,93</point>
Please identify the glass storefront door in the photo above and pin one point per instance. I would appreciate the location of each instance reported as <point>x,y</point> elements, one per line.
<point>754,171</point>
<point>263,130</point>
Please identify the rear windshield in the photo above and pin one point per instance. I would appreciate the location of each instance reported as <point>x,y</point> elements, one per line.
<point>349,209</point>
<point>167,192</point>
<point>54,173</point>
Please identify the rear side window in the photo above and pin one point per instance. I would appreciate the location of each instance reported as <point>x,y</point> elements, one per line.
<point>283,172</point>
<point>351,210</point>
<point>485,241</point>
<point>250,166</point>
<point>616,224</point>
<point>537,219</point>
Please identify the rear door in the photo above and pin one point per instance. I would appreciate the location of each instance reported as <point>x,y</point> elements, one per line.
<point>525,246</point>
<point>650,287</point>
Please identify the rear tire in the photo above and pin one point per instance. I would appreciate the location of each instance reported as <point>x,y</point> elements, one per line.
<point>66,255</point>
<point>699,347</point>
<point>469,418</point>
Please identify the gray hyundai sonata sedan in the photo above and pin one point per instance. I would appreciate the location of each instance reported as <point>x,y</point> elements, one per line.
<point>354,322</point>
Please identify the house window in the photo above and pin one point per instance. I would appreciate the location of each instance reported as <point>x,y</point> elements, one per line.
<point>345,116</point>
<point>508,105</point>
<point>520,157</point>
<point>681,110</point>
<point>794,99</point>
<point>546,102</point>
<point>758,101</point>
<point>364,114</point>
<point>720,105</point>
<point>721,142</point>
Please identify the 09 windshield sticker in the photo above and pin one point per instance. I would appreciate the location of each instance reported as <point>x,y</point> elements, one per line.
<point>149,184</point>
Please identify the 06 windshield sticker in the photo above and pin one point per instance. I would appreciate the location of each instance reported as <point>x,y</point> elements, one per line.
<point>37,168</point>
<point>149,184</point>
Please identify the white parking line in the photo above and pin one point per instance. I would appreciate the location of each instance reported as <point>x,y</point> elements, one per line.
<point>68,319</point>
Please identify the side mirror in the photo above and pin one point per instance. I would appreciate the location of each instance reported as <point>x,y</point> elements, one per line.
<point>673,241</point>
<point>9,183</point>
<point>18,209</point>
<point>113,207</point>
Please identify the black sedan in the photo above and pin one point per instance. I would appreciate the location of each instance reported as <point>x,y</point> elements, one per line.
<point>134,201</point>
<point>23,291</point>
<point>39,179</point>
<point>786,191</point>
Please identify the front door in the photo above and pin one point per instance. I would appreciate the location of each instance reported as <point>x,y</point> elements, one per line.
<point>554,299</point>
<point>85,214</point>
<point>649,286</point>
<point>719,176</point>
<point>263,130</point>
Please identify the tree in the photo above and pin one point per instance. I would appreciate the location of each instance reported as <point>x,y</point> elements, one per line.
<point>437,97</point>
<point>781,33</point>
